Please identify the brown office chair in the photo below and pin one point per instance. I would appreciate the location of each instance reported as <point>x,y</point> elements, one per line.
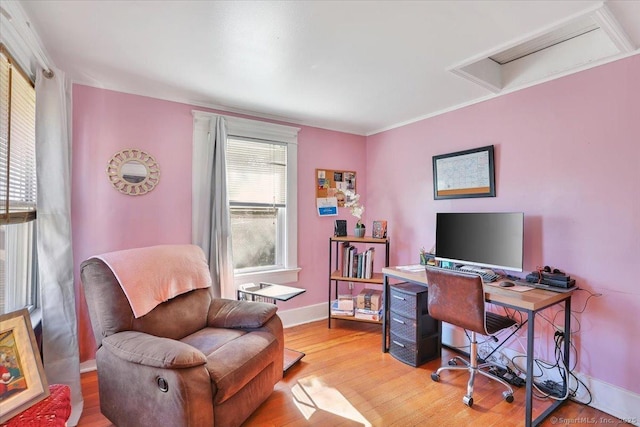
<point>458,298</point>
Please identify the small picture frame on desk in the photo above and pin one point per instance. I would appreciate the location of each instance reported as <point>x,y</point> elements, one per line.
<point>340,228</point>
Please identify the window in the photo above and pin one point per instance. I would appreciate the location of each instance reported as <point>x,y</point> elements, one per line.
<point>262,185</point>
<point>18,281</point>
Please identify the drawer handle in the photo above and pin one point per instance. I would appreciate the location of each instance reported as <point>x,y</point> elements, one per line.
<point>397,320</point>
<point>398,343</point>
<point>400,298</point>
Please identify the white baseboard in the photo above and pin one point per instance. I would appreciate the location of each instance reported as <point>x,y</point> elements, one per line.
<point>299,316</point>
<point>618,402</point>
<point>88,366</point>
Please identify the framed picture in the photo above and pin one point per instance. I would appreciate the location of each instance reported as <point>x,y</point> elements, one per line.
<point>22,379</point>
<point>340,228</point>
<point>468,173</point>
<point>379,229</point>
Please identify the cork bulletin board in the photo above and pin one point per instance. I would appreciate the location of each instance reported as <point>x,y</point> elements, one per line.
<point>329,183</point>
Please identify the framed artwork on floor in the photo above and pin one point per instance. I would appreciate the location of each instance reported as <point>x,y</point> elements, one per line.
<point>22,379</point>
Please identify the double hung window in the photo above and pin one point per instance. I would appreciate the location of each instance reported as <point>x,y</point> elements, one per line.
<point>261,166</point>
<point>18,277</point>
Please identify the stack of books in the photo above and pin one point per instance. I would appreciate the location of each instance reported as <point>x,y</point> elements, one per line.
<point>357,265</point>
<point>363,313</point>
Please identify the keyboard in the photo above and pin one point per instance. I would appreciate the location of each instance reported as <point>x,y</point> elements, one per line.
<point>487,276</point>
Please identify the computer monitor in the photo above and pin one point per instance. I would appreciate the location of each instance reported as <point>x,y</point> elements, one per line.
<point>493,240</point>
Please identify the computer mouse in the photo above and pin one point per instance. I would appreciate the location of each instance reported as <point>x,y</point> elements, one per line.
<point>506,284</point>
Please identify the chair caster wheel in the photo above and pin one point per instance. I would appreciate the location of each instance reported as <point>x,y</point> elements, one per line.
<point>452,362</point>
<point>507,396</point>
<point>468,400</point>
<point>435,377</point>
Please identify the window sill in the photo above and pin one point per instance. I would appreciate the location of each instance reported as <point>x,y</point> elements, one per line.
<point>36,317</point>
<point>285,275</point>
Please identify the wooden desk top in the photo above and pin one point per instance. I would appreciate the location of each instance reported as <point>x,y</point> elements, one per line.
<point>534,300</point>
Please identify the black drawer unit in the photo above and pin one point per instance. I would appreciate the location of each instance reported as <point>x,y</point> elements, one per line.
<point>414,335</point>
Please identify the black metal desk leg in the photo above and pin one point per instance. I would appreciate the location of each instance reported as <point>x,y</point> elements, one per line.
<point>385,312</point>
<point>567,338</point>
<point>528,414</point>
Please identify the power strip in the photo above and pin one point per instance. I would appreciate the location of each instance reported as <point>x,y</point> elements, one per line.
<point>508,375</point>
<point>551,388</point>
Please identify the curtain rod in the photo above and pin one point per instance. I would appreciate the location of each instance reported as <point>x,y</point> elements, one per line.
<point>22,28</point>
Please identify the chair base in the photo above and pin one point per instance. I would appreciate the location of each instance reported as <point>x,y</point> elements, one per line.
<point>473,369</point>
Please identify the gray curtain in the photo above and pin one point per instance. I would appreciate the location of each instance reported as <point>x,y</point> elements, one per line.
<point>55,257</point>
<point>211,224</point>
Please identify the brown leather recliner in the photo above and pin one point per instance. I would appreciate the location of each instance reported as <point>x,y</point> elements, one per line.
<point>194,360</point>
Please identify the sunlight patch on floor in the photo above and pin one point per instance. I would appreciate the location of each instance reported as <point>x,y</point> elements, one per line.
<point>310,394</point>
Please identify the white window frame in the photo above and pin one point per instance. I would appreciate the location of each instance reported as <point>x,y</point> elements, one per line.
<point>20,257</point>
<point>246,128</point>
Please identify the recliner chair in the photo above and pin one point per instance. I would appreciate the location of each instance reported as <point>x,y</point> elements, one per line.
<point>193,360</point>
<point>458,298</point>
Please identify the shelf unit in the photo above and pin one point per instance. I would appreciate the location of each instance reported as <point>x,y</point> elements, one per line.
<point>335,271</point>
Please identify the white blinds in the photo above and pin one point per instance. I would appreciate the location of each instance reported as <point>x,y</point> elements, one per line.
<point>256,173</point>
<point>17,145</point>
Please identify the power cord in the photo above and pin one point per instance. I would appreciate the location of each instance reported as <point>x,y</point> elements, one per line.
<point>554,389</point>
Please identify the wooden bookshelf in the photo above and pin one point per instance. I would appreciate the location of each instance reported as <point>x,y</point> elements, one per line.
<point>338,281</point>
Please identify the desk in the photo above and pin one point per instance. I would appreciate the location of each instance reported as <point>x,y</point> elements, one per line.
<point>270,292</point>
<point>529,302</point>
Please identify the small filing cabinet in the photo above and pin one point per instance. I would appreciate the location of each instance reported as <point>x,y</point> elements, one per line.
<point>414,335</point>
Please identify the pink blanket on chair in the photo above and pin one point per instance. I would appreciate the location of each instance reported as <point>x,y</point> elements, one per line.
<point>152,275</point>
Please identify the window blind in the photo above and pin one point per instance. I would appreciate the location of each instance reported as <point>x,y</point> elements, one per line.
<point>256,173</point>
<point>17,145</point>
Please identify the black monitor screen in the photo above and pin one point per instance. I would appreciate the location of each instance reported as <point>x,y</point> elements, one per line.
<point>492,240</point>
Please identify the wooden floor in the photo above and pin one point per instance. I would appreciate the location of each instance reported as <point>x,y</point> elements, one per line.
<point>345,380</point>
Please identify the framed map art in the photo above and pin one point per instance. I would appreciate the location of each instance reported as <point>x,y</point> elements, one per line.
<point>463,174</point>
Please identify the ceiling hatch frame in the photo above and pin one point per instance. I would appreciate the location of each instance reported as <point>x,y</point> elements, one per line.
<point>577,43</point>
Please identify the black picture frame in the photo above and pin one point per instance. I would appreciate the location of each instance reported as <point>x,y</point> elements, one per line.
<point>464,174</point>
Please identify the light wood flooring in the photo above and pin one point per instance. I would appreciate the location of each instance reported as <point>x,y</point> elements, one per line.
<point>346,380</point>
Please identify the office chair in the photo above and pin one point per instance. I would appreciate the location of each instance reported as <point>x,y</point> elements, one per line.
<point>458,298</point>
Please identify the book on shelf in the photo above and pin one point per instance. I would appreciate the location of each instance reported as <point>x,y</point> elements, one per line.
<point>368,271</point>
<point>375,315</point>
<point>356,264</point>
<point>346,251</point>
<point>379,229</point>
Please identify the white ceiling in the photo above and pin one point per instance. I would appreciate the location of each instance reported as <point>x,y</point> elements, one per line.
<point>353,66</point>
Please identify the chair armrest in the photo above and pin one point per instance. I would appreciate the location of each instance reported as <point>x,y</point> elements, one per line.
<point>231,314</point>
<point>149,350</point>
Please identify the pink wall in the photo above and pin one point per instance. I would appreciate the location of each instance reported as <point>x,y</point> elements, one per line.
<point>105,122</point>
<point>568,156</point>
